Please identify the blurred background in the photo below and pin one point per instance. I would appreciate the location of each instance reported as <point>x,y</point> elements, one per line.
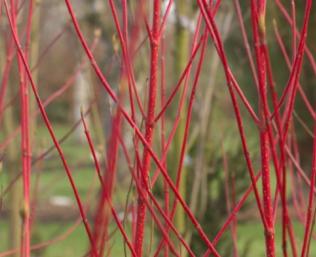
<point>68,85</point>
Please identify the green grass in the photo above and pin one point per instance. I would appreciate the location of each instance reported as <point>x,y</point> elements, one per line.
<point>74,245</point>
<point>250,236</point>
<point>53,181</point>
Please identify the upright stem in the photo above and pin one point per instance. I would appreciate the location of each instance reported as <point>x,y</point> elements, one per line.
<point>132,124</point>
<point>11,165</point>
<point>11,161</point>
<point>141,209</point>
<point>163,140</point>
<point>309,213</point>
<point>258,22</point>
<point>48,125</point>
<point>34,47</point>
<point>181,56</point>
<point>25,134</point>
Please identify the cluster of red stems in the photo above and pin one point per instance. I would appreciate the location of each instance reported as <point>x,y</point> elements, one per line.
<point>278,147</point>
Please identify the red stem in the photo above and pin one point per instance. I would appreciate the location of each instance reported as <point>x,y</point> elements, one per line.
<point>149,123</point>
<point>25,134</point>
<point>50,129</point>
<point>209,19</point>
<point>258,23</point>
